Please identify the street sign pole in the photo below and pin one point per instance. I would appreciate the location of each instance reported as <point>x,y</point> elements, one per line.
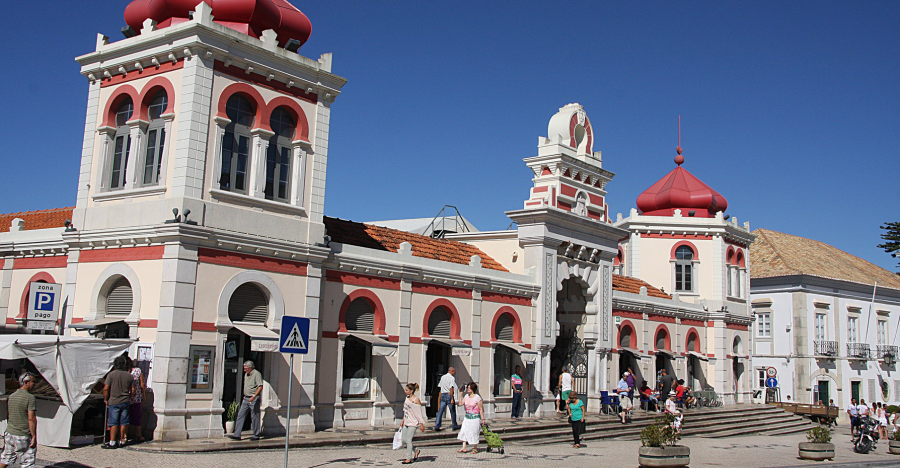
<point>287,435</point>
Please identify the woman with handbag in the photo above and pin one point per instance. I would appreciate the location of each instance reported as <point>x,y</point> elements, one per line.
<point>412,420</point>
<point>576,417</point>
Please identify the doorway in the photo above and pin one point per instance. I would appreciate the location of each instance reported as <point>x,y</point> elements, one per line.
<point>824,393</point>
<point>855,390</point>
<point>237,350</point>
<point>570,351</point>
<point>437,361</point>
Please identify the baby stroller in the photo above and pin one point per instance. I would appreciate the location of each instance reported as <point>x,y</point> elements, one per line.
<point>493,440</point>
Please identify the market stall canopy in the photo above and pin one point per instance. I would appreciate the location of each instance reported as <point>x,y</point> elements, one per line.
<point>71,365</point>
<point>457,347</point>
<point>634,352</point>
<point>380,347</point>
<point>526,354</point>
<point>666,352</point>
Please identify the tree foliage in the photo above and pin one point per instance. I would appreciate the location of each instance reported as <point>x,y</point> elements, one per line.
<point>892,239</point>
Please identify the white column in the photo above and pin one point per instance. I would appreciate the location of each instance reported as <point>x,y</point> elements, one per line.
<point>259,145</point>
<point>137,148</point>
<point>338,376</point>
<point>298,174</point>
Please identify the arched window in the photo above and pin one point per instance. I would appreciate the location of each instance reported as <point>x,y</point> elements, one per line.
<point>248,303</point>
<point>504,330</point>
<point>684,269</point>
<point>156,138</point>
<point>661,339</point>
<point>279,155</point>
<point>625,337</point>
<point>736,346</point>
<point>360,316</point>
<point>692,342</point>
<point>439,323</point>
<point>120,298</point>
<point>121,145</point>
<point>236,144</point>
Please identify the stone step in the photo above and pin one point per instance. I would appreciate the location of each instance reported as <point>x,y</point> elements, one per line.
<point>705,423</point>
<point>794,426</point>
<point>802,426</point>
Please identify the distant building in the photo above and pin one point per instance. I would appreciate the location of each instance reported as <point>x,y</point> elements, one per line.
<point>818,324</point>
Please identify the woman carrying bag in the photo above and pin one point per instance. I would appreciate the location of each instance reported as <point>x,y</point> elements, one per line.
<point>576,417</point>
<point>412,420</point>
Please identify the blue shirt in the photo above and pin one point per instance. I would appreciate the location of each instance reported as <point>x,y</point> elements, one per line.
<point>622,387</point>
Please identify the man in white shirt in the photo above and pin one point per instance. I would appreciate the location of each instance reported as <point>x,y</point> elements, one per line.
<point>625,404</point>
<point>449,389</point>
<point>853,412</point>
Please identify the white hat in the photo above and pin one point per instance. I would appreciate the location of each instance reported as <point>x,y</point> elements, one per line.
<point>672,393</point>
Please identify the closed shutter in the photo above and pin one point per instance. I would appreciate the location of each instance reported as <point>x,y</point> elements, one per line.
<point>439,322</point>
<point>504,328</point>
<point>360,316</point>
<point>248,304</point>
<point>120,298</point>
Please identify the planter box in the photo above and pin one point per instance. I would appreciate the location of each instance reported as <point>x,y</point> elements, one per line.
<point>818,452</point>
<point>658,457</point>
<point>894,447</point>
<point>229,427</point>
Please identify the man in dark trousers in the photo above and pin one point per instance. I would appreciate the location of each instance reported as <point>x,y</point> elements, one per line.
<point>516,380</point>
<point>253,386</point>
<point>117,395</point>
<point>666,381</point>
<point>21,429</point>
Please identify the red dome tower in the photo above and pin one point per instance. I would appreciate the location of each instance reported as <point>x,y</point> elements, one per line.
<point>681,190</point>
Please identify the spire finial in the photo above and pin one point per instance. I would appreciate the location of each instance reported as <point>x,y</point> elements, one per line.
<point>679,159</point>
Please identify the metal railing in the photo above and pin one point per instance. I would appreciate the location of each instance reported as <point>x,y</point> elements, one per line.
<point>859,351</point>
<point>887,352</point>
<point>826,348</point>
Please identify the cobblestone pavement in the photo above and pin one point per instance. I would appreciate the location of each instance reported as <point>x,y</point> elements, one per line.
<point>751,451</point>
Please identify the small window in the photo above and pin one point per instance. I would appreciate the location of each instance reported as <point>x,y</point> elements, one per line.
<point>736,346</point>
<point>360,316</point>
<point>684,269</point>
<point>439,323</point>
<point>356,375</point>
<point>852,334</point>
<point>121,145</point>
<point>820,327</point>
<point>661,339</point>
<point>202,359</point>
<point>882,332</point>
<point>692,342</point>
<point>764,326</point>
<point>504,330</point>
<point>248,303</point>
<point>120,298</point>
<point>156,139</point>
<point>625,337</point>
<point>279,155</point>
<point>236,144</point>
<point>760,378</point>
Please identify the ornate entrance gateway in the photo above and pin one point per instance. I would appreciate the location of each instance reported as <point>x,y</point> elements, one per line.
<point>570,351</point>
<point>577,364</point>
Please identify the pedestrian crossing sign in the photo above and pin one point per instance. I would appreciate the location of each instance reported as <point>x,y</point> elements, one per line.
<point>294,335</point>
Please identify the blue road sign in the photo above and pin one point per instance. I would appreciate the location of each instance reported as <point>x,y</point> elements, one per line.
<point>294,335</point>
<point>771,382</point>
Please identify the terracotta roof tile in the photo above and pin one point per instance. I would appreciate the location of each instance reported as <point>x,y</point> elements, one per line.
<point>633,285</point>
<point>43,219</point>
<point>381,238</point>
<point>775,253</point>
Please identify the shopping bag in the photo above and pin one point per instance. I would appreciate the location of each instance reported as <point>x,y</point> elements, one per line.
<point>398,439</point>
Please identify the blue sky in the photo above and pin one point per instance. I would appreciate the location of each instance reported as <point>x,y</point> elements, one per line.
<point>791,110</point>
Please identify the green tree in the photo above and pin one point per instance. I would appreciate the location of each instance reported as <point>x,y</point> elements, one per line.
<point>892,239</point>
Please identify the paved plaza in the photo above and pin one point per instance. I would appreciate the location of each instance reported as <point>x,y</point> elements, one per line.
<point>751,451</point>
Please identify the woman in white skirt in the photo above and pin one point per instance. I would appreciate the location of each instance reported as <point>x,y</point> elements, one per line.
<point>470,431</point>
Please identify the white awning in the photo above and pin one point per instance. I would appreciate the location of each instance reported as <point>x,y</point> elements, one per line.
<point>526,354</point>
<point>380,346</point>
<point>94,324</point>
<point>457,347</point>
<point>698,355</point>
<point>261,338</point>
<point>666,352</point>
<point>634,352</point>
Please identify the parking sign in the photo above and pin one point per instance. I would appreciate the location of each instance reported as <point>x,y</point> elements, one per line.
<point>43,302</point>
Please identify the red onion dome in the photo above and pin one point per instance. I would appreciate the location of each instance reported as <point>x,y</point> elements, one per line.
<point>681,190</point>
<point>250,17</point>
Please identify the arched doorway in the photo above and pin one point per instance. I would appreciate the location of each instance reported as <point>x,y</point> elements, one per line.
<point>628,355</point>
<point>662,344</point>
<point>570,351</point>
<point>248,308</point>
<point>437,356</point>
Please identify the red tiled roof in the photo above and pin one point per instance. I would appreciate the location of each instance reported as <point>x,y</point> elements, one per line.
<point>775,253</point>
<point>381,238</point>
<point>633,285</point>
<point>43,219</point>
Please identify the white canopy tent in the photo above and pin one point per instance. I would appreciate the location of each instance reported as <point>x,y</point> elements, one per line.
<point>71,365</point>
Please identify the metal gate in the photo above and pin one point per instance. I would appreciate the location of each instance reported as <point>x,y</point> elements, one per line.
<point>577,364</point>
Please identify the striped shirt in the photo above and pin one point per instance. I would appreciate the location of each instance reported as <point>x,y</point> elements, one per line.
<point>19,404</point>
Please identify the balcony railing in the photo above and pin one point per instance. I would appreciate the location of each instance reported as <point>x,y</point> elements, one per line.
<point>887,352</point>
<point>859,351</point>
<point>826,348</point>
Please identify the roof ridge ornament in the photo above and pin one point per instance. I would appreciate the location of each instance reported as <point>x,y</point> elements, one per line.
<point>679,159</point>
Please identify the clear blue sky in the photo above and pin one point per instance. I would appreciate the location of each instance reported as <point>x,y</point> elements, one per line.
<point>789,109</point>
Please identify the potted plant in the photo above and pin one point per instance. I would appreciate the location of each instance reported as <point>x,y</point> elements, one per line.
<point>230,415</point>
<point>819,446</point>
<point>894,443</point>
<point>659,449</point>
